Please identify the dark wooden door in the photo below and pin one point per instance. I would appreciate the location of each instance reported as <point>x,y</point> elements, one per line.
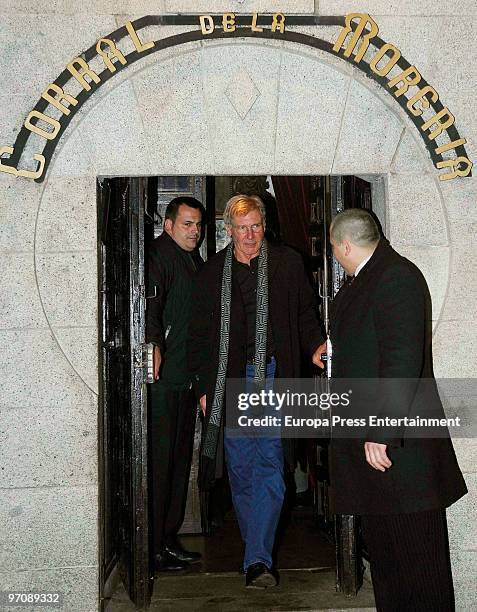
<point>347,192</point>
<point>123,415</point>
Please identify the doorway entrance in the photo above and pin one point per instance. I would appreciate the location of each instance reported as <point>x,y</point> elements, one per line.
<point>130,214</point>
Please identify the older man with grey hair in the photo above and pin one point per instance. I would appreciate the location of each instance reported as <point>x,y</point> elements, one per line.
<point>254,319</point>
<point>380,328</point>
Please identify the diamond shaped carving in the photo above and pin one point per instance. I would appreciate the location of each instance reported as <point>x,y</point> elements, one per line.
<point>242,93</point>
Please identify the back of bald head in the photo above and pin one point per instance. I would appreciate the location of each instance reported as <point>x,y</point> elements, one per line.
<point>357,226</point>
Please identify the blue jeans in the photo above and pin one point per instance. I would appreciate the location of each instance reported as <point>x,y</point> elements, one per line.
<point>255,468</point>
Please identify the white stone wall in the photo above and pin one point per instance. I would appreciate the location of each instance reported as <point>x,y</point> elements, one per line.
<point>212,107</point>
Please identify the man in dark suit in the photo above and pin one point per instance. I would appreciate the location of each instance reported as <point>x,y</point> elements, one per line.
<point>174,259</point>
<point>399,485</point>
<point>253,319</point>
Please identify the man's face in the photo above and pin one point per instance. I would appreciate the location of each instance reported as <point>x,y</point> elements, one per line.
<point>185,230</point>
<point>247,233</point>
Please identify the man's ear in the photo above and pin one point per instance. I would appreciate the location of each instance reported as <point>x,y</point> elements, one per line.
<point>228,229</point>
<point>168,223</point>
<point>347,246</point>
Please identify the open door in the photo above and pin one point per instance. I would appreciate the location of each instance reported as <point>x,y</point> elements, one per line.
<point>124,546</point>
<point>333,194</point>
<point>346,192</point>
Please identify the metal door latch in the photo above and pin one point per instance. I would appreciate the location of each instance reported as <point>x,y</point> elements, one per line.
<point>148,361</point>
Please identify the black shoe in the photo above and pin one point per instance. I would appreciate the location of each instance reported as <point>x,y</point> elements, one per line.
<point>260,577</point>
<point>179,552</point>
<point>165,562</point>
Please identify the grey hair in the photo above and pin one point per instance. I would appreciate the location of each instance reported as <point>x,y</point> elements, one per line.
<point>241,205</point>
<point>357,225</point>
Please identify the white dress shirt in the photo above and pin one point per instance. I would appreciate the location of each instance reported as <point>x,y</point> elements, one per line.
<point>361,265</point>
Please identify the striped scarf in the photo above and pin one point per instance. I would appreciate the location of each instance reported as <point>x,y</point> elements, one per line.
<point>209,448</point>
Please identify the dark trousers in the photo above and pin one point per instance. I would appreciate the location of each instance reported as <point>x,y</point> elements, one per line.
<point>410,564</point>
<point>173,417</point>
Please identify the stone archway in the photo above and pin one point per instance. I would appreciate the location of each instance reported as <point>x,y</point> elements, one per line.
<point>224,108</point>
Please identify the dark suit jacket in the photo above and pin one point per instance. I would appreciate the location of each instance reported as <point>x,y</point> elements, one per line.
<point>296,329</point>
<point>381,328</point>
<point>170,278</point>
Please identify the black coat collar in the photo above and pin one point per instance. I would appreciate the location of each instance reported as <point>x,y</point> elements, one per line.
<point>345,295</point>
<point>172,247</point>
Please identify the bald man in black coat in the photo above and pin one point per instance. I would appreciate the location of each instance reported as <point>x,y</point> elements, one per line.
<point>400,485</point>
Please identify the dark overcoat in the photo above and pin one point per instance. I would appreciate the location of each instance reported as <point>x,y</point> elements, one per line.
<point>296,330</point>
<point>381,328</point>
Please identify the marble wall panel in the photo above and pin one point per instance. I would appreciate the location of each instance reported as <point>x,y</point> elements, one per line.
<point>466,452</point>
<point>114,133</point>
<point>68,287</point>
<point>464,563</point>
<point>454,345</point>
<point>410,157</point>
<point>48,446</point>
<point>241,101</point>
<point>86,7</point>
<point>35,372</point>
<point>27,7</point>
<point>13,112</point>
<point>19,200</point>
<point>68,35</point>
<point>240,6</point>
<point>417,37</point>
<point>310,110</point>
<point>462,527</point>
<point>80,345</point>
<point>461,301</point>
<point>369,136</point>
<point>67,215</point>
<point>24,64</point>
<point>78,586</point>
<point>61,521</point>
<point>71,157</point>
<point>397,7</point>
<point>170,97</point>
<point>415,211</point>
<point>20,304</point>
<point>460,196</point>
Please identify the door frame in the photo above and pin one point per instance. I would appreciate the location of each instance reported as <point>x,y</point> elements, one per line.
<point>348,564</point>
<point>136,567</point>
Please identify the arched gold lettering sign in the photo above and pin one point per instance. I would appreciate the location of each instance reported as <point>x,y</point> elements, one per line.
<point>357,39</point>
<point>359,32</point>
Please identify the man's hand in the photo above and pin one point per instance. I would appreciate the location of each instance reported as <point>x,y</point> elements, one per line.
<point>203,404</point>
<point>376,456</point>
<point>316,357</point>
<point>156,361</point>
